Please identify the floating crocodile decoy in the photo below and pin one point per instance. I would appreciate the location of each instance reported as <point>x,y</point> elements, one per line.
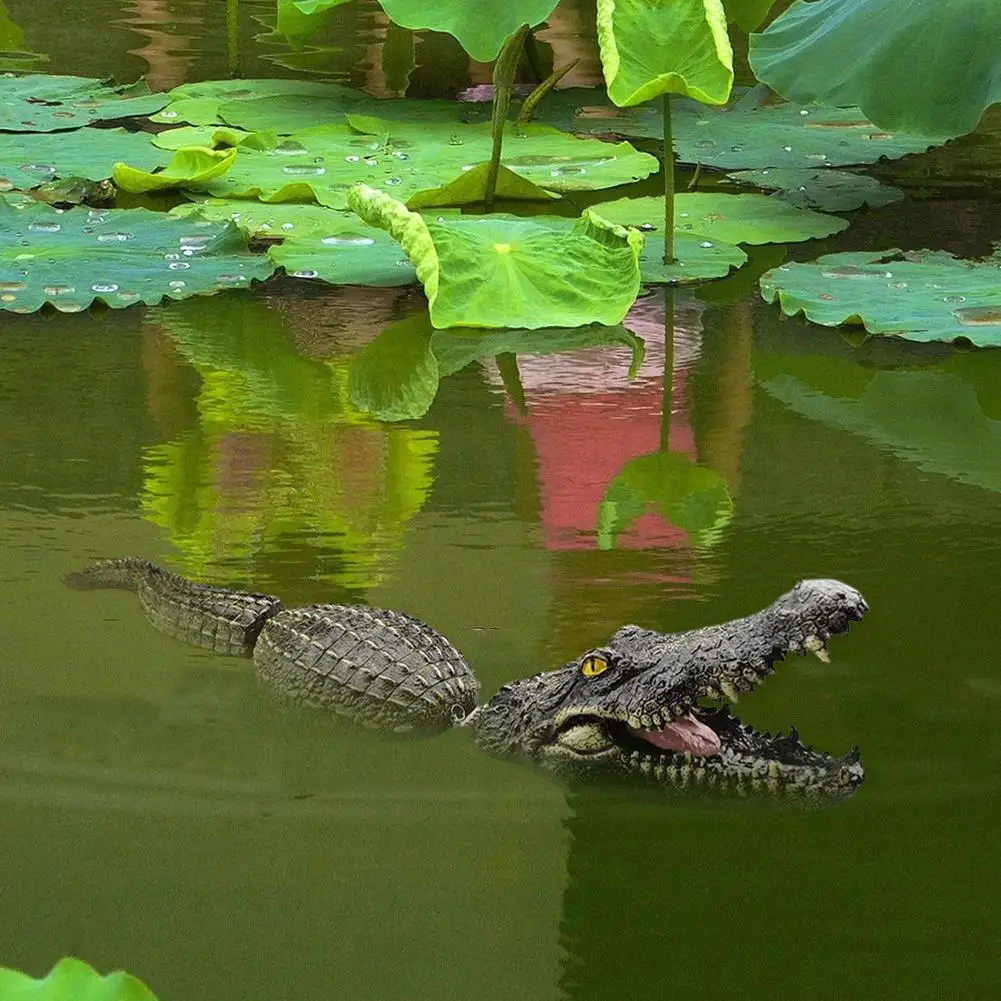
<point>629,708</point>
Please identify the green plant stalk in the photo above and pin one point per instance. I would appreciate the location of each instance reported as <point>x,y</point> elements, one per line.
<point>507,366</point>
<point>667,398</point>
<point>665,106</point>
<point>532,101</point>
<point>504,70</point>
<point>233,37</point>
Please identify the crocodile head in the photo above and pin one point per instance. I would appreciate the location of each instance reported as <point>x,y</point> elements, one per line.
<point>631,707</point>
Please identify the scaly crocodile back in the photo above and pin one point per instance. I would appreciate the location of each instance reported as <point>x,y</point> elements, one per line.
<point>216,618</point>
<point>382,668</point>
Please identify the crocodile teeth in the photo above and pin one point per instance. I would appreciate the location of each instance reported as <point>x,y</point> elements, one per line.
<point>816,646</point>
<point>731,693</point>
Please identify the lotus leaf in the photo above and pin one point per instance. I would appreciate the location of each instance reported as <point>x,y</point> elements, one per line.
<point>72,980</point>
<point>50,103</point>
<point>921,295</point>
<point>120,256</point>
<point>870,53</point>
<point>649,48</point>
<point>28,160</point>
<point>317,242</point>
<point>691,497</point>
<point>191,167</point>
<point>480,27</point>
<point>504,271</point>
<point>727,218</point>
<point>827,190</point>
<point>742,135</point>
<point>396,376</point>
<point>200,103</point>
<point>323,163</point>
<point>696,259</point>
<point>214,137</point>
<point>298,19</point>
<point>291,113</point>
<point>747,14</point>
<point>469,188</point>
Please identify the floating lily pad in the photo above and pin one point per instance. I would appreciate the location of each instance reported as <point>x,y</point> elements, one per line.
<point>192,167</point>
<point>696,259</point>
<point>40,103</point>
<point>395,377</point>
<point>70,258</point>
<point>726,218</point>
<point>691,497</point>
<point>552,159</point>
<point>870,53</point>
<point>742,135</point>
<point>72,980</point>
<point>199,103</point>
<point>323,163</point>
<point>921,295</point>
<point>214,137</point>
<point>291,113</point>
<point>649,48</point>
<point>827,190</point>
<point>317,242</point>
<point>469,188</point>
<point>505,271</point>
<point>29,160</point>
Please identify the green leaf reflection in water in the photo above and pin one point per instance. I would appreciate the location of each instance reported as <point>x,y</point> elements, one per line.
<point>396,376</point>
<point>934,419</point>
<point>279,458</point>
<point>73,980</point>
<point>685,495</point>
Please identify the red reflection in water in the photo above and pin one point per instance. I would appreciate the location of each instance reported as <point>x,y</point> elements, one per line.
<point>587,420</point>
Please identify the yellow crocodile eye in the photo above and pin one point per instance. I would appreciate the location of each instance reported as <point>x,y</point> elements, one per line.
<point>592,666</point>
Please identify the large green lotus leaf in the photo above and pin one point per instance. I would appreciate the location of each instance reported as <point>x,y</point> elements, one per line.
<point>827,190</point>
<point>317,242</point>
<point>696,259</point>
<point>50,103</point>
<point>29,160</point>
<point>72,980</point>
<point>649,47</point>
<point>919,295</point>
<point>191,167</point>
<point>121,256</point>
<point>742,135</point>
<point>726,218</point>
<point>688,496</point>
<point>291,113</point>
<point>551,158</point>
<point>872,53</point>
<point>480,27</point>
<point>505,271</point>
<point>396,376</point>
<point>200,103</point>
<point>323,163</point>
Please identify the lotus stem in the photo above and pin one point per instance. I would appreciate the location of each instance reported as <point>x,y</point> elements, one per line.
<point>504,70</point>
<point>532,101</point>
<point>667,393</point>
<point>665,106</point>
<point>507,367</point>
<point>233,37</point>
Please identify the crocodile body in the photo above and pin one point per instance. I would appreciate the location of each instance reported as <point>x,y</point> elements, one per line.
<point>631,708</point>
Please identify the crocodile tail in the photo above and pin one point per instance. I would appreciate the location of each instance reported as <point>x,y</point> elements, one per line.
<point>128,573</point>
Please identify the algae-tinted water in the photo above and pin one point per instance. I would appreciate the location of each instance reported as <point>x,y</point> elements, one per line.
<point>158,814</point>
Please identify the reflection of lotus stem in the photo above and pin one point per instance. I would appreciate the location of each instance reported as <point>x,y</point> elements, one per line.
<point>668,390</point>
<point>233,36</point>
<point>504,71</point>
<point>665,106</point>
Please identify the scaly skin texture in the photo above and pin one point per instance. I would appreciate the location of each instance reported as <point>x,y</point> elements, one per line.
<point>380,668</point>
<point>608,723</point>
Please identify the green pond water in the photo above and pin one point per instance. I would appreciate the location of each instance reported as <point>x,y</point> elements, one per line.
<point>159,814</point>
